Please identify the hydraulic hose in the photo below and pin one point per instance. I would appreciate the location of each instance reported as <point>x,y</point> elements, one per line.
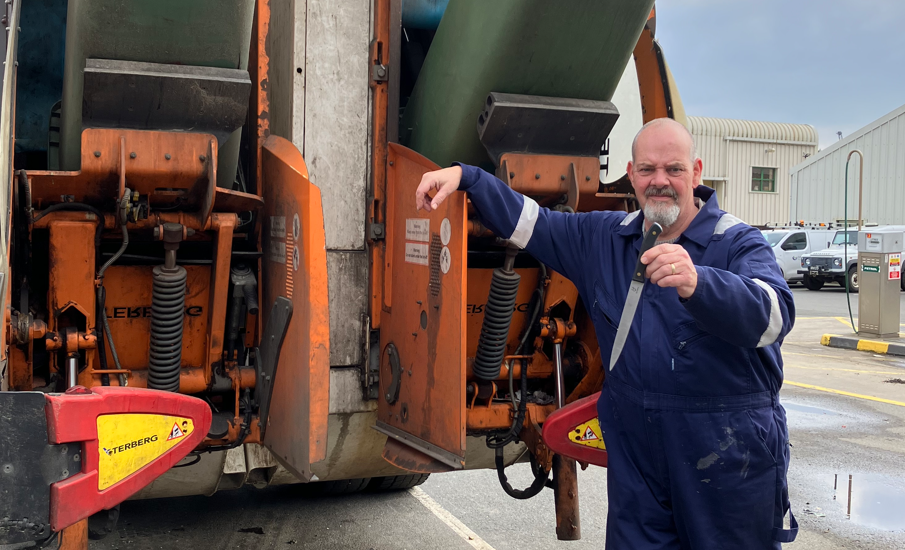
<point>102,295</point>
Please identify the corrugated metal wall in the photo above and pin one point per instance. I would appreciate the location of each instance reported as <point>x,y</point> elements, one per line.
<point>730,149</point>
<point>817,189</point>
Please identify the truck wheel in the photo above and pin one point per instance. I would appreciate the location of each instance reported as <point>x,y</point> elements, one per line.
<point>397,483</point>
<point>336,487</point>
<point>852,279</point>
<point>811,284</point>
<point>902,283</point>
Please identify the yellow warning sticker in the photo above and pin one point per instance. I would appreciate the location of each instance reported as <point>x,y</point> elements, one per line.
<point>129,442</point>
<point>589,435</point>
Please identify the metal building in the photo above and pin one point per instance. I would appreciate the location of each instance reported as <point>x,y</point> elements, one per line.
<point>748,163</point>
<point>818,183</point>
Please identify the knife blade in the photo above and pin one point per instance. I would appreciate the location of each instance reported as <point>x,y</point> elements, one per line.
<point>634,295</point>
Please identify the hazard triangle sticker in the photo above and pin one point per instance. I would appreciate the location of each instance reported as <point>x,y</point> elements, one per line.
<point>589,435</point>
<point>176,432</point>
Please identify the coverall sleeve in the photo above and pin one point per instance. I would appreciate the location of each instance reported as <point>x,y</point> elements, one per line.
<point>557,239</point>
<point>748,305</point>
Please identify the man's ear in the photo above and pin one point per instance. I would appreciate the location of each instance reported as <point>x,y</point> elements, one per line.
<point>698,171</point>
<point>628,171</point>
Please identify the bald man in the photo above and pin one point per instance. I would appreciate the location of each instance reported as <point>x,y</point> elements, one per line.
<point>696,438</point>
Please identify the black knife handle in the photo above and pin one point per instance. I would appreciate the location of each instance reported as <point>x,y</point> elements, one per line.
<point>646,245</point>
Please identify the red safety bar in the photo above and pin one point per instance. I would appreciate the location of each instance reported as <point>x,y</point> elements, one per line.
<point>72,417</point>
<point>573,432</point>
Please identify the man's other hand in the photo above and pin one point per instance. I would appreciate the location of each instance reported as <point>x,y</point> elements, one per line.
<point>444,182</point>
<point>669,265</point>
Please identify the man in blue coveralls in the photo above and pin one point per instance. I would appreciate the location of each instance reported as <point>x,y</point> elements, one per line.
<point>697,442</point>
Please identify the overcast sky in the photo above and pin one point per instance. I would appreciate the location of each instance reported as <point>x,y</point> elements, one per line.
<point>834,64</point>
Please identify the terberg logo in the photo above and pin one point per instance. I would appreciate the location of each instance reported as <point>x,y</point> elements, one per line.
<point>141,312</point>
<point>130,445</point>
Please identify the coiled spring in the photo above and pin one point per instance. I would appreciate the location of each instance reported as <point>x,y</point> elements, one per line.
<point>167,318</point>
<point>497,318</point>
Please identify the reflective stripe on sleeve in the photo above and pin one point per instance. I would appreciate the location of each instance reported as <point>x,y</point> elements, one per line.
<point>775,326</point>
<point>525,226</point>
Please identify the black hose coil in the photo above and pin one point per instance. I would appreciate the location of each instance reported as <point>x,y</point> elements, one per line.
<point>167,319</point>
<point>497,318</point>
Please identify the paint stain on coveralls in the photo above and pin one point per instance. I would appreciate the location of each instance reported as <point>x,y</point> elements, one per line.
<point>708,461</point>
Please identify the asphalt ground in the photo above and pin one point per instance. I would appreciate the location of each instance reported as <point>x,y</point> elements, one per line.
<point>847,477</point>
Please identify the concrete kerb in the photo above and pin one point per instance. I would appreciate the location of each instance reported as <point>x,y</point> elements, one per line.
<point>860,344</point>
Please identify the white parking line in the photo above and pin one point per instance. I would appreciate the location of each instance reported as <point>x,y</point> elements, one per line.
<point>452,521</point>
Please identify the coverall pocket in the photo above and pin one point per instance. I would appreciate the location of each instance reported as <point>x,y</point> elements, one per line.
<point>607,310</point>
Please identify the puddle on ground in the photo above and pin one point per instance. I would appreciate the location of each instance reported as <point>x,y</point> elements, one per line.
<point>871,500</point>
<point>806,409</point>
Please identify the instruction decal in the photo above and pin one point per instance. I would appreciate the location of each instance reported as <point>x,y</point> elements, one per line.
<point>278,226</point>
<point>417,229</point>
<point>416,254</point>
<point>895,267</point>
<point>277,252</point>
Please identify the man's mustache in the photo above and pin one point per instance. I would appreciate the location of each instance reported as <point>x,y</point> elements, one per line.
<point>661,192</point>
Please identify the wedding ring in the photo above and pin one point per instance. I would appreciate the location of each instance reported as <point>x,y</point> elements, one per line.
<point>673,266</point>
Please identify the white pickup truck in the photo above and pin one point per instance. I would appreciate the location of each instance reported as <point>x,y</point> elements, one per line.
<point>833,265</point>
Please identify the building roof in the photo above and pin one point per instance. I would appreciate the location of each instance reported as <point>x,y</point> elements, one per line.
<point>851,138</point>
<point>730,128</point>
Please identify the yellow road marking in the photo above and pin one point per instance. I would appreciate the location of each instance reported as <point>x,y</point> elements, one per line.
<point>811,354</point>
<point>847,370</point>
<point>849,394</point>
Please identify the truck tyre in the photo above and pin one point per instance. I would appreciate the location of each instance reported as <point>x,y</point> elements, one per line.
<point>397,483</point>
<point>852,279</point>
<point>811,284</point>
<point>902,283</point>
<point>336,487</point>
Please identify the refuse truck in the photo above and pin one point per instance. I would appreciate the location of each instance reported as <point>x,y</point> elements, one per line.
<point>213,270</point>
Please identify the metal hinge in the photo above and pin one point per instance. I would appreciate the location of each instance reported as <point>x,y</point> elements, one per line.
<point>376,231</point>
<point>380,73</point>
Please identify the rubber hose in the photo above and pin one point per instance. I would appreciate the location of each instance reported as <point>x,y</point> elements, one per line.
<point>167,319</point>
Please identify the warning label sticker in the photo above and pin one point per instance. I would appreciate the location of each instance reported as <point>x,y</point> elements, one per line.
<point>895,267</point>
<point>417,229</point>
<point>416,253</point>
<point>588,434</point>
<point>176,433</point>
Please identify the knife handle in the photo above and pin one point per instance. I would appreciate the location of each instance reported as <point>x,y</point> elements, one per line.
<point>646,245</point>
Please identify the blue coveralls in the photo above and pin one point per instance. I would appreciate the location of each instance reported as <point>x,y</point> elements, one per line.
<point>697,442</point>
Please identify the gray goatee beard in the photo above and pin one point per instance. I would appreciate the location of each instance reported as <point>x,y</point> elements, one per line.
<point>656,212</point>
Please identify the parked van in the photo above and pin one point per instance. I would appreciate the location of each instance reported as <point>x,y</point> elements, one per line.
<point>789,244</point>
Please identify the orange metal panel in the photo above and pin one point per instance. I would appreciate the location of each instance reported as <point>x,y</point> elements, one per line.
<point>650,79</point>
<point>168,167</point>
<point>71,270</point>
<point>499,417</point>
<point>295,266</point>
<point>425,320</point>
<point>128,306</point>
<point>219,286</point>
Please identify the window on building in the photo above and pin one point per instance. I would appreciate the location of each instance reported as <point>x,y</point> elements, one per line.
<point>763,180</point>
